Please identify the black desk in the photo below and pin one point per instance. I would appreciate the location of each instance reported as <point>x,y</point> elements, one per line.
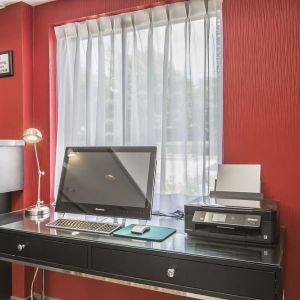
<point>224,271</point>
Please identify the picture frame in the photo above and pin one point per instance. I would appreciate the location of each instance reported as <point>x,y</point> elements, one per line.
<point>6,63</point>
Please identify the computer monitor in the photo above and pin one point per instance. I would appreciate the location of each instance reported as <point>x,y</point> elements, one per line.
<point>109,181</point>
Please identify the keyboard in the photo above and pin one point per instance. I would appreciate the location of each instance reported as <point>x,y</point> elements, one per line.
<point>86,226</point>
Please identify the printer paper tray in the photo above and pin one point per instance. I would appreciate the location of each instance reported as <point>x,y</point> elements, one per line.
<point>227,230</point>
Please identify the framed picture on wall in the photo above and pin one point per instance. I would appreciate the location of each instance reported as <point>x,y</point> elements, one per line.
<point>6,63</point>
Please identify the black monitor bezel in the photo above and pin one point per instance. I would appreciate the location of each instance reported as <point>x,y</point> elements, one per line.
<point>110,210</point>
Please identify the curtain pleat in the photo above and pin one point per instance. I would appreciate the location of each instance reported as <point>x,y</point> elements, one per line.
<point>150,77</point>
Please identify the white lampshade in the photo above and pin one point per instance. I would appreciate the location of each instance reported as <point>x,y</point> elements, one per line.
<point>32,136</point>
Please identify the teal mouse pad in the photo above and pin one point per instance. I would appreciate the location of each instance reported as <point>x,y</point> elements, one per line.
<point>156,233</point>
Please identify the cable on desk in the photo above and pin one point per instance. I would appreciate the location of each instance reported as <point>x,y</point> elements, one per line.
<point>32,283</point>
<point>178,214</point>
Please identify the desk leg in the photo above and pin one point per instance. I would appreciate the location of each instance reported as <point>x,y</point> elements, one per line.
<point>5,267</point>
<point>43,284</point>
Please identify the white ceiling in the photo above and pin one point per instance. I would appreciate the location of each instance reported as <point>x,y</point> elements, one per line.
<point>31,2</point>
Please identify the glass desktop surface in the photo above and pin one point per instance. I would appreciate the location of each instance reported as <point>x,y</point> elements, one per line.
<point>179,242</point>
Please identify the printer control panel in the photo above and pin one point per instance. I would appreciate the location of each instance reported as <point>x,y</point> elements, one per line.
<point>243,220</point>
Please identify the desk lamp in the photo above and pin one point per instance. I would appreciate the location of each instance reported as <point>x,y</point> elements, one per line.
<point>34,136</point>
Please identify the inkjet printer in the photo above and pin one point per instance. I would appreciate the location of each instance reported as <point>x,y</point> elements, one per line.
<point>235,219</point>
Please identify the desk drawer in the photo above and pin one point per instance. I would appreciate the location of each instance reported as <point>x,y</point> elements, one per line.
<point>190,274</point>
<point>44,250</point>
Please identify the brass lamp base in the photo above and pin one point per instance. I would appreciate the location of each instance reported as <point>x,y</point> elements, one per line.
<point>37,210</point>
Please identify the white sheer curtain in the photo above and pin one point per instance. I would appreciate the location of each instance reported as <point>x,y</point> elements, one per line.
<point>150,77</point>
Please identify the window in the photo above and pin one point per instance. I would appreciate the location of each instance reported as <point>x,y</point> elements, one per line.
<point>150,77</point>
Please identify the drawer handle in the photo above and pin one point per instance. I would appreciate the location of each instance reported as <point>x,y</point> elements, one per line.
<point>171,273</point>
<point>20,247</point>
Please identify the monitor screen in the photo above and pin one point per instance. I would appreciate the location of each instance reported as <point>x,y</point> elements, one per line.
<point>114,181</point>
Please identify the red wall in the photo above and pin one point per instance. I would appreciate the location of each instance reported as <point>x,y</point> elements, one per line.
<point>16,101</point>
<point>16,91</point>
<point>261,109</point>
<point>262,106</point>
<point>11,114</point>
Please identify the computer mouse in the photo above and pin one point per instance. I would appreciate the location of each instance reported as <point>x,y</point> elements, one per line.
<point>140,229</point>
